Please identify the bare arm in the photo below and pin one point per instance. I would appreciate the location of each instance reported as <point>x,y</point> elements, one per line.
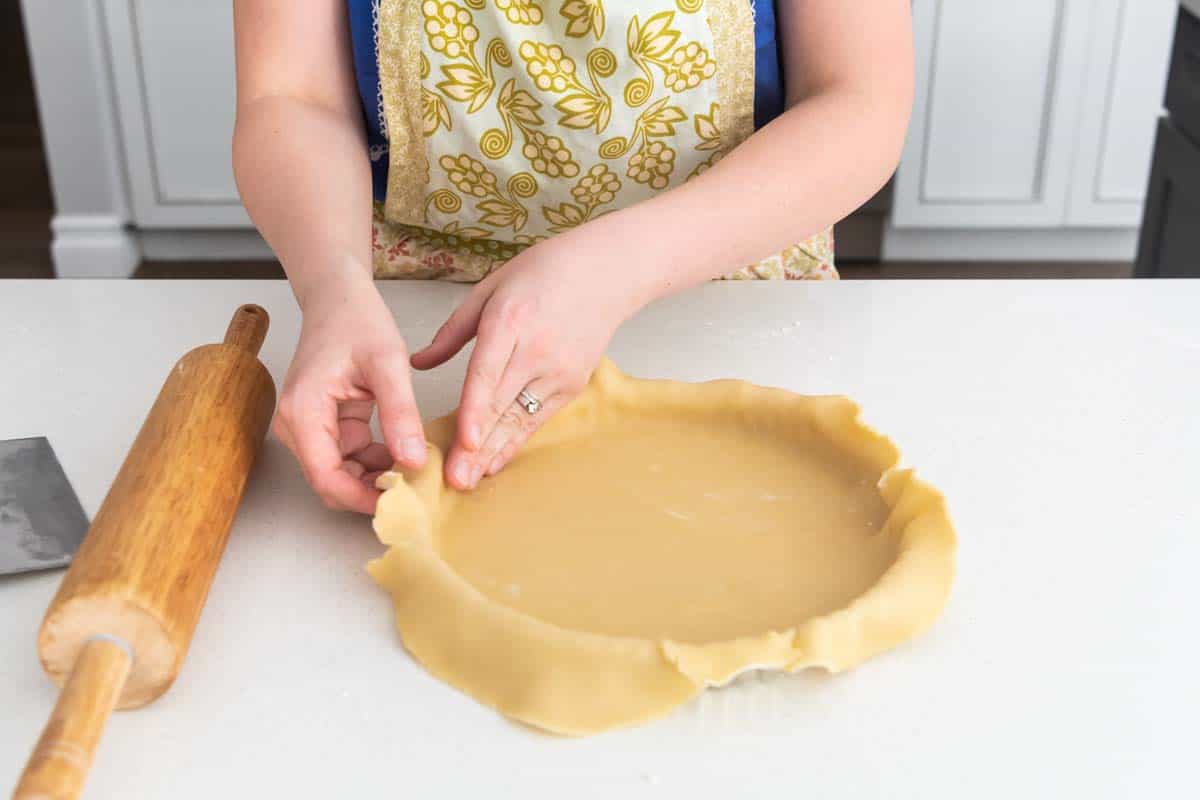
<point>849,75</point>
<point>299,150</point>
<point>301,164</point>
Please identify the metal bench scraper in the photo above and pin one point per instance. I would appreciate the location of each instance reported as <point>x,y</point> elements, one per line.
<point>41,521</point>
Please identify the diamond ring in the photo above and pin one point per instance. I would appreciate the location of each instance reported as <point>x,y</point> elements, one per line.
<point>529,401</point>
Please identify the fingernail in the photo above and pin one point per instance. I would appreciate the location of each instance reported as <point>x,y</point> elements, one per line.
<point>412,449</point>
<point>476,474</point>
<point>497,462</point>
<point>462,473</point>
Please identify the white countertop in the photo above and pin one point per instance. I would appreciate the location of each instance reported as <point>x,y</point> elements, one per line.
<point>1062,420</point>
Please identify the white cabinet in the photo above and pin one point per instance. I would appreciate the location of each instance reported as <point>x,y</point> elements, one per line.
<point>137,102</point>
<point>989,139</point>
<point>1034,117</point>
<point>1122,99</point>
<point>173,68</point>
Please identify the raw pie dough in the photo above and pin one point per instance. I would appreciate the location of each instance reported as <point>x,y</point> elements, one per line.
<point>655,538</point>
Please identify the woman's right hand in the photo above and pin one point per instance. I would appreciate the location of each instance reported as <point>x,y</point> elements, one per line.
<point>350,357</point>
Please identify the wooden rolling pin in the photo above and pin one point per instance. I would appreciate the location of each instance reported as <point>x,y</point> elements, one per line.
<point>117,632</point>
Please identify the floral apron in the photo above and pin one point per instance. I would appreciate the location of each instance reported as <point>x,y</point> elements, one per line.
<point>509,121</point>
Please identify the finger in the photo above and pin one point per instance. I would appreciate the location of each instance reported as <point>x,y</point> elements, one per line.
<point>387,377</point>
<point>479,409</point>
<point>516,423</point>
<point>353,435</point>
<point>354,425</point>
<point>364,475</point>
<point>481,404</point>
<point>375,457</point>
<point>513,445</point>
<point>313,424</point>
<point>356,409</point>
<point>459,329</point>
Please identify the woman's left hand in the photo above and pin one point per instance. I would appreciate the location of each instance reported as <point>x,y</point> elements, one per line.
<point>542,322</point>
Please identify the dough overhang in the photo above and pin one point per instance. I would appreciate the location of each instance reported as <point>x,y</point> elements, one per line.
<point>656,538</point>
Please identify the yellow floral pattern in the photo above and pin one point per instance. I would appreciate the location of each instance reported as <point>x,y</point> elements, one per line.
<point>650,44</point>
<point>520,12</point>
<point>583,16</point>
<point>498,208</point>
<point>545,153</point>
<point>433,108</point>
<point>553,71</point>
<point>451,31</point>
<point>653,161</point>
<point>591,104</point>
<point>595,189</point>
<point>514,120</point>
<point>709,132</point>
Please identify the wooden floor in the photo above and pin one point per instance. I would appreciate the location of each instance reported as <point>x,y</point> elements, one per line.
<point>26,203</point>
<point>927,270</point>
<point>25,261</point>
<point>25,253</point>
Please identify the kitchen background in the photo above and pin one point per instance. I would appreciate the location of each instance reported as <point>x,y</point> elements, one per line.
<point>1046,141</point>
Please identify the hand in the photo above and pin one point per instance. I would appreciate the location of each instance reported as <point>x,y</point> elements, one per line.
<point>542,322</point>
<point>350,357</point>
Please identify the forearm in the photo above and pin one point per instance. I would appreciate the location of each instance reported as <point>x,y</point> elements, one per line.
<point>794,177</point>
<point>848,69</point>
<point>303,175</point>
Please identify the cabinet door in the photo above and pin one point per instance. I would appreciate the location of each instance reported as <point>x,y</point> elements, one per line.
<point>1122,99</point>
<point>174,74</point>
<point>991,138</point>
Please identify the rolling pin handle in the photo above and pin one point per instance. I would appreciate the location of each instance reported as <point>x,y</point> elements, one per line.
<point>63,755</point>
<point>248,328</point>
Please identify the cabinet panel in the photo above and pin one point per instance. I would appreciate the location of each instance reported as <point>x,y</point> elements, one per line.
<point>187,70</point>
<point>991,139</point>
<point>174,71</point>
<point>1123,95</point>
<point>979,93</point>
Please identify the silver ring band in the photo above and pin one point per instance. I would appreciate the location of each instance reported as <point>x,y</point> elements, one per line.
<point>529,401</point>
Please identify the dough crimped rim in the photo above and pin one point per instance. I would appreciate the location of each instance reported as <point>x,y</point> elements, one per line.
<point>574,682</point>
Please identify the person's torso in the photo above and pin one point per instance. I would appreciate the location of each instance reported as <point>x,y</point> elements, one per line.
<point>492,124</point>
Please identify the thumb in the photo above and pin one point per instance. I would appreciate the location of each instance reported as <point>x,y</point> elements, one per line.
<point>388,379</point>
<point>459,329</point>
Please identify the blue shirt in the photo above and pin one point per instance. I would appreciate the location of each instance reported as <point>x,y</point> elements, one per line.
<point>364,21</point>
<point>768,80</point>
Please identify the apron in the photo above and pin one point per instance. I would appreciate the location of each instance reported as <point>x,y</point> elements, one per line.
<point>509,121</point>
